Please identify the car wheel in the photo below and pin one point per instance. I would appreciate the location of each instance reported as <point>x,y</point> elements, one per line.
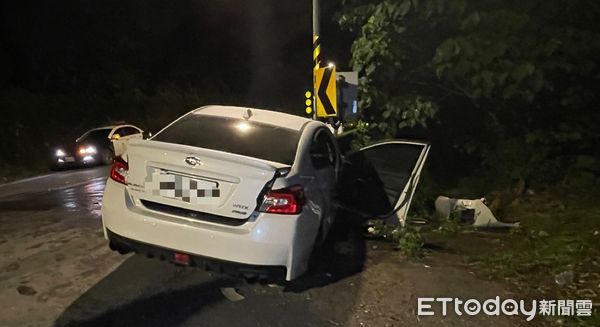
<point>106,157</point>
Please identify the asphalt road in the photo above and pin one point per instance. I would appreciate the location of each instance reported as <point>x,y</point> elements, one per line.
<point>56,269</point>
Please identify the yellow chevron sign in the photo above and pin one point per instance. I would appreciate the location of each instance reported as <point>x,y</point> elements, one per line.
<point>325,89</point>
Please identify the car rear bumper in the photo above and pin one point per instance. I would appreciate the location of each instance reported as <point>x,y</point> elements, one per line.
<point>126,245</point>
<point>268,240</point>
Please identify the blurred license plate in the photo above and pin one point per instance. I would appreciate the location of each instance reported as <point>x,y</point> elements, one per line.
<point>69,159</point>
<point>184,188</point>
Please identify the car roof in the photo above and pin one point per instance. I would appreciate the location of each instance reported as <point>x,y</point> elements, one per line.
<point>257,115</point>
<point>111,127</point>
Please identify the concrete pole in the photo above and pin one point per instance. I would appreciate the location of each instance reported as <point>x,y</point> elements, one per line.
<point>316,13</point>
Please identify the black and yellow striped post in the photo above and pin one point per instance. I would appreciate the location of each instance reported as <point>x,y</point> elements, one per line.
<point>316,66</point>
<point>316,52</point>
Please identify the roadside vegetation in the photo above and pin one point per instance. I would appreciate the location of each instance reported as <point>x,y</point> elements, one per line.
<point>555,253</point>
<point>507,93</point>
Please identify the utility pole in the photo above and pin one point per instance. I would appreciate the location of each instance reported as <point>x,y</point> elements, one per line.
<point>316,50</point>
<point>317,60</point>
<point>317,64</point>
<point>316,33</point>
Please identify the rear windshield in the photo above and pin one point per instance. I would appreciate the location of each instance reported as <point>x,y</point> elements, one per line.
<point>247,138</point>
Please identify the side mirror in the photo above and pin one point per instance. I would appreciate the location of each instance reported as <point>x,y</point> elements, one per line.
<point>147,135</point>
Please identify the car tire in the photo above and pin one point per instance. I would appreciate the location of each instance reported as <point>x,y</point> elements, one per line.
<point>106,157</point>
<point>314,261</point>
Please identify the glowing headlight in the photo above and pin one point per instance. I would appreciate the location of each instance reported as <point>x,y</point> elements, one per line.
<point>60,153</point>
<point>87,150</point>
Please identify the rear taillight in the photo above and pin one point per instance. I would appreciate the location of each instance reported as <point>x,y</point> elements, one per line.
<point>284,201</point>
<point>118,171</point>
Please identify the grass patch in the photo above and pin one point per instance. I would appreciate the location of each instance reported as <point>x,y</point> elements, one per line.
<point>556,251</point>
<point>407,240</point>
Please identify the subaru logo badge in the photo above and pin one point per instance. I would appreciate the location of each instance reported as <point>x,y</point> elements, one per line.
<point>193,161</point>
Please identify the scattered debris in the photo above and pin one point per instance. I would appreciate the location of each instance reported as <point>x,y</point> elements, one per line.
<point>26,290</point>
<point>426,266</point>
<point>418,221</point>
<point>564,278</point>
<point>232,294</point>
<point>444,206</point>
<point>483,216</point>
<point>543,234</point>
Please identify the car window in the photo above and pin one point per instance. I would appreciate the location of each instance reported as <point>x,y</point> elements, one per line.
<point>95,135</point>
<point>128,130</point>
<point>247,138</point>
<point>323,150</point>
<point>119,131</point>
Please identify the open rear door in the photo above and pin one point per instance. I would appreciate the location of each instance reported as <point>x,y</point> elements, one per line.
<point>379,181</point>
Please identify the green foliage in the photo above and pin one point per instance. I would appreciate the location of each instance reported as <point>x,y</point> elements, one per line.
<point>525,74</point>
<point>450,225</point>
<point>549,242</point>
<point>407,240</point>
<point>411,242</point>
<point>363,136</point>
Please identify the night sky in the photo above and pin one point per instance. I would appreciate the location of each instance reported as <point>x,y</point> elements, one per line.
<point>256,53</point>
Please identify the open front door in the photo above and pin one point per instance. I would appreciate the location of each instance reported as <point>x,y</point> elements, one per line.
<point>379,181</point>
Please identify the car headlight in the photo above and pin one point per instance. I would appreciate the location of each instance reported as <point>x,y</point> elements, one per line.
<point>60,153</point>
<point>87,150</point>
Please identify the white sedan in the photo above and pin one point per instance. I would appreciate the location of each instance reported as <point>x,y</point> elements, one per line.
<point>248,191</point>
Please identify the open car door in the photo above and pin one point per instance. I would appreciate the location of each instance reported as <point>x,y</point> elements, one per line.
<point>379,181</point>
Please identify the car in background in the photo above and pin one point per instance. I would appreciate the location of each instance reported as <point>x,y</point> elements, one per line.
<point>247,191</point>
<point>95,146</point>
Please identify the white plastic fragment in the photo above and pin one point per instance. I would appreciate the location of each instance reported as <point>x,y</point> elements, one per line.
<point>482,214</point>
<point>231,294</point>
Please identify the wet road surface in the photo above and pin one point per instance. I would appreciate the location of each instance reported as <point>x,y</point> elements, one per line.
<point>56,269</point>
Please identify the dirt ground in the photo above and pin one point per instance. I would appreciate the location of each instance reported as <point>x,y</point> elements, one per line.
<point>49,255</point>
<point>386,291</point>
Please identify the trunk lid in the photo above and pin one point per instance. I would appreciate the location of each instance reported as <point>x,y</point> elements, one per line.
<point>203,180</point>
